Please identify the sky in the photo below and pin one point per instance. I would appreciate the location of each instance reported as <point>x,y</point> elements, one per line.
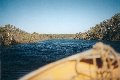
<point>56,16</point>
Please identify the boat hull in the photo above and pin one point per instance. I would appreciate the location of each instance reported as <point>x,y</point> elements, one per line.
<point>70,69</point>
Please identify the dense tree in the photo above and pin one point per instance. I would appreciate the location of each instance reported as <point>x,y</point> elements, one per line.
<point>106,30</point>
<point>9,34</point>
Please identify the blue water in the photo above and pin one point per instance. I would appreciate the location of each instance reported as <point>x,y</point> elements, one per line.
<point>18,60</point>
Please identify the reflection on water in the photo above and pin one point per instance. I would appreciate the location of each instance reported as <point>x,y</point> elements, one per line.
<point>18,60</point>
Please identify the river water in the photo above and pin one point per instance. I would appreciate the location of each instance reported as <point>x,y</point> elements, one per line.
<point>18,60</point>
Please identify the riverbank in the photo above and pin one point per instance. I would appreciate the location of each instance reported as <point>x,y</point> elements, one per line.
<point>10,34</point>
<point>107,30</point>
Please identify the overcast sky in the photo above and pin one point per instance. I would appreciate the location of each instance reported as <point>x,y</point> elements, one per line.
<point>56,16</point>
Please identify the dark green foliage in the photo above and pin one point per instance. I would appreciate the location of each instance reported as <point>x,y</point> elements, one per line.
<point>106,30</point>
<point>9,34</point>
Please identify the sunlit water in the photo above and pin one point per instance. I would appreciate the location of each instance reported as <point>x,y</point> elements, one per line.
<point>18,60</point>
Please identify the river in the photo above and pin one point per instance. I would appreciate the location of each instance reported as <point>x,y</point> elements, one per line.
<point>18,60</point>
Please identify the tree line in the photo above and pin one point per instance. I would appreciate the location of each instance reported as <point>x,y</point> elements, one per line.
<point>107,30</point>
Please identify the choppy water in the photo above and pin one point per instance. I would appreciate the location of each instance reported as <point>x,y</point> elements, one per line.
<point>18,60</point>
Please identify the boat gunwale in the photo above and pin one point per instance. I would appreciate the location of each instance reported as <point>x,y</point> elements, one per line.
<point>43,68</point>
<point>69,58</point>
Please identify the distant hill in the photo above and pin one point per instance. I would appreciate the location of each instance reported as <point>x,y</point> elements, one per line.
<point>107,30</point>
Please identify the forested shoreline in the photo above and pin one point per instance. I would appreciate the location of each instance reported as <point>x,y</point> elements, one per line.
<point>107,30</point>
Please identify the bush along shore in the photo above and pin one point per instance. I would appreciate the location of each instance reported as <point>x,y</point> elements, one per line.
<point>107,30</point>
<point>10,35</point>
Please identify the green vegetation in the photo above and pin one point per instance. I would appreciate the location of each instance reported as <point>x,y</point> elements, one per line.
<point>106,30</point>
<point>9,34</point>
